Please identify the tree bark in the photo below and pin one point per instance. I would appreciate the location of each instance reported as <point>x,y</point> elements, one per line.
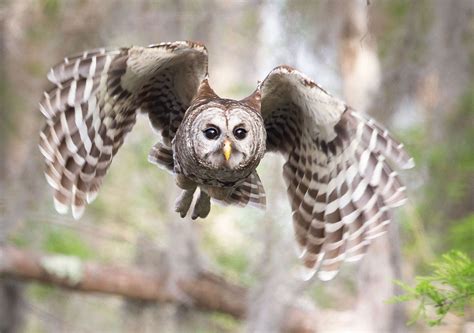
<point>207,290</point>
<point>360,68</point>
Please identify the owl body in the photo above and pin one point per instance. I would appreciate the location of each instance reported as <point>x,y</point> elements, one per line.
<point>339,173</point>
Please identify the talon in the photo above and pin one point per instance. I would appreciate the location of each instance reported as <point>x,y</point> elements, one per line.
<point>183,202</point>
<point>202,207</point>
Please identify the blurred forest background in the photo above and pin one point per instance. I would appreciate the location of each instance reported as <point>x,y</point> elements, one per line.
<point>408,63</point>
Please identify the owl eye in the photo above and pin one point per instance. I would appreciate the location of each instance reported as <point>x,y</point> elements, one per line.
<point>212,133</point>
<point>240,133</point>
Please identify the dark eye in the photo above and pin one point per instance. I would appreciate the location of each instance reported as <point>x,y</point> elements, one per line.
<point>212,133</point>
<point>240,133</point>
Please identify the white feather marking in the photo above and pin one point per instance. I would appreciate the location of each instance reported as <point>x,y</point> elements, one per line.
<point>93,66</point>
<point>376,230</point>
<point>78,115</point>
<point>373,140</point>
<point>58,99</point>
<point>377,171</point>
<point>56,173</point>
<point>388,186</point>
<point>44,111</point>
<point>332,227</point>
<point>53,183</point>
<point>333,246</point>
<point>370,237</point>
<point>48,105</point>
<point>92,160</point>
<point>350,174</point>
<point>315,240</point>
<point>327,275</point>
<point>359,191</point>
<point>332,206</point>
<point>75,70</point>
<point>44,144</point>
<point>357,247</point>
<point>351,217</point>
<point>54,136</point>
<point>88,89</point>
<point>388,150</point>
<point>91,196</point>
<point>85,138</point>
<point>319,207</point>
<point>78,159</point>
<point>86,178</point>
<point>345,199</point>
<point>355,258</point>
<point>46,154</point>
<point>70,145</point>
<point>409,164</point>
<point>317,224</point>
<point>108,60</point>
<point>71,98</point>
<point>96,125</point>
<point>77,211</point>
<point>305,273</point>
<point>64,124</point>
<point>91,105</point>
<point>60,207</point>
<point>364,160</point>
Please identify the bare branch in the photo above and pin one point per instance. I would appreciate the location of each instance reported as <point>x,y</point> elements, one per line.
<point>207,290</point>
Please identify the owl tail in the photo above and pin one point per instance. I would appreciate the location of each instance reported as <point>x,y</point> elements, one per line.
<point>250,192</point>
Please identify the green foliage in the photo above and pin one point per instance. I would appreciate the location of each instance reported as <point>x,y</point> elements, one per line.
<point>225,322</point>
<point>235,262</point>
<point>450,288</point>
<point>462,235</point>
<point>445,208</point>
<point>51,7</point>
<point>67,243</point>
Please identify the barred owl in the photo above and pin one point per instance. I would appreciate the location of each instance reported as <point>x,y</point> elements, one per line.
<point>340,185</point>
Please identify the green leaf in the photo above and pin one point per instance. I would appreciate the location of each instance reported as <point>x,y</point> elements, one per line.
<point>450,288</point>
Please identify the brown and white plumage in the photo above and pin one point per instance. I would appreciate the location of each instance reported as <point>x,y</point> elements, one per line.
<point>93,105</point>
<point>340,184</point>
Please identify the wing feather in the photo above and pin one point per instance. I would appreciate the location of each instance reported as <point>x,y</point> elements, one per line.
<point>250,192</point>
<point>93,104</point>
<point>340,184</point>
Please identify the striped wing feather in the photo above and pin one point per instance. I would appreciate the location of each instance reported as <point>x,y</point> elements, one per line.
<point>340,185</point>
<point>93,104</point>
<point>249,193</point>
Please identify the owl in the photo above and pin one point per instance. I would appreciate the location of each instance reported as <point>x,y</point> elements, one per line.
<point>340,182</point>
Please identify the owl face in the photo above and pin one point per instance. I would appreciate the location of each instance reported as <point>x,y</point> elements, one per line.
<point>221,139</point>
<point>225,137</point>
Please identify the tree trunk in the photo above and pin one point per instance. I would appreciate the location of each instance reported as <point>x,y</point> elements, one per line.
<point>360,69</point>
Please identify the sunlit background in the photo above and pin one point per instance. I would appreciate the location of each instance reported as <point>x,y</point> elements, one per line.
<point>407,63</point>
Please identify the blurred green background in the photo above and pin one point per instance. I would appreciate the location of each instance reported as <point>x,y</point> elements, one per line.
<point>408,63</point>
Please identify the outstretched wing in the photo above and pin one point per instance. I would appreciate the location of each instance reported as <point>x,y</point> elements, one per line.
<point>340,184</point>
<point>94,102</point>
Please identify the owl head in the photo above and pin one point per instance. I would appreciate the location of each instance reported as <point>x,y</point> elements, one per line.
<point>221,135</point>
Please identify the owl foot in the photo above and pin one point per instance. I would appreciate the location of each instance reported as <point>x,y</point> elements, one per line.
<point>202,207</point>
<point>183,202</point>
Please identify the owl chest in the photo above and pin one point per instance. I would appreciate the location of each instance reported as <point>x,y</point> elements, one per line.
<point>203,176</point>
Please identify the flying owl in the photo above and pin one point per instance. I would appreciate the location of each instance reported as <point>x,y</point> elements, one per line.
<point>340,185</point>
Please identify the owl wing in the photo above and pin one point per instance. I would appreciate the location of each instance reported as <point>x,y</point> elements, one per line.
<point>93,104</point>
<point>339,182</point>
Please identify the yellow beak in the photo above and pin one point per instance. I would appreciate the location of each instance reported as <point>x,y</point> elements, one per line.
<point>227,149</point>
